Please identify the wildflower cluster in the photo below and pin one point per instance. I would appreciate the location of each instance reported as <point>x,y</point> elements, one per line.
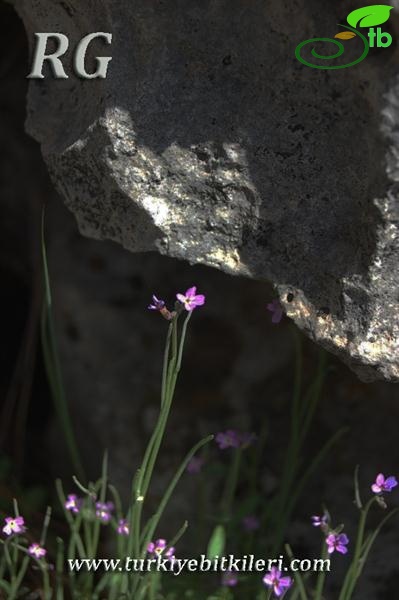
<point>102,511</point>
<point>335,540</point>
<point>187,301</point>
<point>14,528</point>
<point>91,513</point>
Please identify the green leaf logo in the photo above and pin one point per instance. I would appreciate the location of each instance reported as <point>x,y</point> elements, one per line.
<point>369,16</point>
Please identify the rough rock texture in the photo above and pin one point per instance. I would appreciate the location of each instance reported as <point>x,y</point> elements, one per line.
<point>210,142</point>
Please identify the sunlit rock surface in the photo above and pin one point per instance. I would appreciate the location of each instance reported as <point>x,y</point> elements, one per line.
<point>210,142</point>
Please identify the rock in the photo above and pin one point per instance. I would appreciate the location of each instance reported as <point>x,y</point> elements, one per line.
<point>209,141</point>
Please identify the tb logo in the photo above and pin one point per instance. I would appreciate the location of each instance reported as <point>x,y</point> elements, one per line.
<point>384,39</point>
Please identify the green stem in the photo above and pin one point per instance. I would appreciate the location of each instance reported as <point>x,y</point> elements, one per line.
<point>322,574</point>
<point>138,487</point>
<point>53,367</point>
<point>352,575</point>
<point>60,570</point>
<point>165,500</point>
<point>297,576</point>
<point>174,369</point>
<point>16,583</point>
<point>170,374</point>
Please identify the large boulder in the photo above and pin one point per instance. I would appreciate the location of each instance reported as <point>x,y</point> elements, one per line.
<point>209,141</point>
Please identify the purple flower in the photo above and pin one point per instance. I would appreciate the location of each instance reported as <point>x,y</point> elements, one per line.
<point>229,579</point>
<point>123,527</point>
<point>156,304</point>
<point>37,551</point>
<point>14,525</point>
<point>73,503</point>
<point>228,439</point>
<point>191,299</point>
<point>103,511</point>
<point>277,311</point>
<point>159,306</point>
<point>251,523</point>
<point>273,579</point>
<point>338,542</point>
<point>234,439</point>
<point>158,548</point>
<point>383,485</point>
<point>195,465</point>
<point>319,521</point>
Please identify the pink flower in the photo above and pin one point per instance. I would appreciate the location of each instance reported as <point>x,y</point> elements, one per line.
<point>338,542</point>
<point>73,503</point>
<point>383,485</point>
<point>229,579</point>
<point>195,465</point>
<point>273,579</point>
<point>103,511</point>
<point>123,527</point>
<point>14,525</point>
<point>191,299</point>
<point>37,551</point>
<point>158,548</point>
<point>277,311</point>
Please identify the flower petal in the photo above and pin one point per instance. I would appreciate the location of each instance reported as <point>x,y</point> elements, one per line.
<point>391,483</point>
<point>380,480</point>
<point>191,292</point>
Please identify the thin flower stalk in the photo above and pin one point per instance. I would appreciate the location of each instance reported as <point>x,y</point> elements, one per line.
<point>145,472</point>
<point>168,494</point>
<point>353,572</point>
<point>321,577</point>
<point>172,364</point>
<point>300,589</point>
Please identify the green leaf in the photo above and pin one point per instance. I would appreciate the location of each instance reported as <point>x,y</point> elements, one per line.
<point>369,16</point>
<point>216,543</point>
